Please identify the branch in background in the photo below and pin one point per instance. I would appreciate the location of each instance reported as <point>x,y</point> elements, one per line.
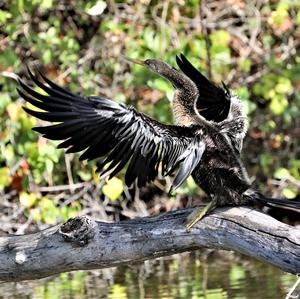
<point>82,243</point>
<point>206,38</point>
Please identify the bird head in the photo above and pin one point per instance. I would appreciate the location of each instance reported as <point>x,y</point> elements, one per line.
<point>155,65</point>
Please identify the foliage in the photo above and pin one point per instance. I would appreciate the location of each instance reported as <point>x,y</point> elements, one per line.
<point>79,45</point>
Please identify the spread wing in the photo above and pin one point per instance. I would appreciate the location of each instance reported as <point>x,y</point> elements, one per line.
<point>213,102</point>
<point>103,128</point>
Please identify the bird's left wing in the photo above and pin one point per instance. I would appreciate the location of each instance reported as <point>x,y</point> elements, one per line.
<point>213,102</point>
<point>103,128</point>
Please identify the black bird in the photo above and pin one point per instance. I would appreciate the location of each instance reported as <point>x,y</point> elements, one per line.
<point>205,142</point>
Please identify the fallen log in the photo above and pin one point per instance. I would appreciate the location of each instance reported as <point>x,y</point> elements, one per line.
<point>83,243</point>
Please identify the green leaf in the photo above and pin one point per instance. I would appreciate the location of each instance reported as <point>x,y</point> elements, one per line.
<point>8,58</point>
<point>295,169</point>
<point>279,15</point>
<point>5,100</point>
<point>36,214</point>
<point>47,56</point>
<point>4,16</point>
<point>20,5</point>
<point>46,4</point>
<point>284,86</point>
<point>245,64</point>
<point>5,178</point>
<point>298,18</point>
<point>27,199</point>
<point>49,165</point>
<point>289,192</point>
<point>281,173</point>
<point>84,175</point>
<point>278,104</point>
<point>113,188</point>
<point>50,213</point>
<point>220,37</point>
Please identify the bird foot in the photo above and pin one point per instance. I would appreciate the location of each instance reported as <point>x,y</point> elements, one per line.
<point>198,214</point>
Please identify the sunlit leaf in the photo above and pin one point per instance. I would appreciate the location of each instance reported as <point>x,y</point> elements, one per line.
<point>284,85</point>
<point>96,175</point>
<point>27,199</point>
<point>5,178</point>
<point>281,173</point>
<point>36,214</point>
<point>289,192</point>
<point>47,56</point>
<point>50,213</point>
<point>46,4</point>
<point>298,18</point>
<point>13,111</point>
<point>117,291</point>
<point>295,169</point>
<point>5,100</point>
<point>278,16</point>
<point>4,16</point>
<point>220,37</point>
<point>113,188</point>
<point>49,165</point>
<point>84,175</point>
<point>9,153</point>
<point>97,9</point>
<point>278,104</point>
<point>245,64</point>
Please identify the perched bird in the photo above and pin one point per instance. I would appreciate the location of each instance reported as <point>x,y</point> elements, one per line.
<point>205,142</point>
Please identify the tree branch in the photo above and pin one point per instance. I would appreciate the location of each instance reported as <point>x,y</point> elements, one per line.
<point>82,243</point>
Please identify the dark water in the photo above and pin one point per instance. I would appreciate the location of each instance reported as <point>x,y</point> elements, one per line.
<point>208,274</point>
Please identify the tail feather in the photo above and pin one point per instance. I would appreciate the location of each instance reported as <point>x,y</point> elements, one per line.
<point>277,203</point>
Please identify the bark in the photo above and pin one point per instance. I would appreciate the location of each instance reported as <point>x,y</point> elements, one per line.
<point>83,243</point>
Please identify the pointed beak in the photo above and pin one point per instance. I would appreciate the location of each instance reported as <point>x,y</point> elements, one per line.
<point>136,61</point>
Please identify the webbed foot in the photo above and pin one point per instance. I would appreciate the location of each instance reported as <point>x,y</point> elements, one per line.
<point>198,214</point>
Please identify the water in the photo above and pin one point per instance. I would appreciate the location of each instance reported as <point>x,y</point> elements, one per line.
<point>208,274</point>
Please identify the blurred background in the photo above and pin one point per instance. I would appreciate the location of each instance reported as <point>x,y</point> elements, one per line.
<point>253,46</point>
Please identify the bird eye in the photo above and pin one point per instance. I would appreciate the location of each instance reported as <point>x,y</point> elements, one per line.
<point>147,61</point>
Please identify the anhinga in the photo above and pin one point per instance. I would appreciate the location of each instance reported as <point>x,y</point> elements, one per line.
<point>205,142</point>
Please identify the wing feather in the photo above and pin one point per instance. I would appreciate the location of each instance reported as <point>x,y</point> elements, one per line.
<point>103,128</point>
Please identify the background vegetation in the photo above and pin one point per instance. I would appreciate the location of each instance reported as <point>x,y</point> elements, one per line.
<point>251,45</point>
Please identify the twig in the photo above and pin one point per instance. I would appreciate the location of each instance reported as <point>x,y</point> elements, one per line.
<point>206,38</point>
<point>60,187</point>
<point>69,172</point>
<point>289,295</point>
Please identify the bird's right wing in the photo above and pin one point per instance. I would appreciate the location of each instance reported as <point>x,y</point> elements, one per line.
<point>101,127</point>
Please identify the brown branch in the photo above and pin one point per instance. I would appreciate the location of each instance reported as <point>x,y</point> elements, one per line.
<point>82,243</point>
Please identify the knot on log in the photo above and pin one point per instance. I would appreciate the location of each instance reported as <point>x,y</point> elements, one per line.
<point>79,230</point>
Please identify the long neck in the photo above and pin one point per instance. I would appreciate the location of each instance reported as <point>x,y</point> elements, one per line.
<point>185,96</point>
<point>179,80</point>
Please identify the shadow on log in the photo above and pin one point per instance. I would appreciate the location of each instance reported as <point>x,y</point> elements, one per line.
<point>82,243</point>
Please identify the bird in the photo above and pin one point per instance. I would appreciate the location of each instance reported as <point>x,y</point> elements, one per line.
<point>205,142</point>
